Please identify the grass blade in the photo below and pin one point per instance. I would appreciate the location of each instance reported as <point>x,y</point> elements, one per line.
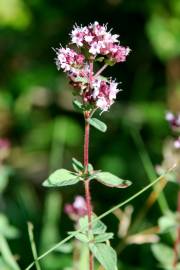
<point>33,246</point>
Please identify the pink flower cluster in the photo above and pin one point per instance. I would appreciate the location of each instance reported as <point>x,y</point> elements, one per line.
<point>77,209</point>
<point>96,41</point>
<point>69,60</point>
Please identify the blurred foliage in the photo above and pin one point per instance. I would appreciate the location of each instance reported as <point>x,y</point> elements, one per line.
<point>37,116</point>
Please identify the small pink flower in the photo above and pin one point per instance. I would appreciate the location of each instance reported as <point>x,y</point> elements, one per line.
<point>95,48</point>
<point>120,53</point>
<point>77,35</point>
<point>67,59</point>
<point>177,143</point>
<point>169,116</point>
<point>174,120</point>
<point>77,209</point>
<point>104,93</point>
<point>4,144</point>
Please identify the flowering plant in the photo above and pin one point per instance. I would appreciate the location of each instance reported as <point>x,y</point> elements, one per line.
<point>90,44</point>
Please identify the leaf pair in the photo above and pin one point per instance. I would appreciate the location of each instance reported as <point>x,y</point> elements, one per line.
<point>103,252</point>
<point>63,177</point>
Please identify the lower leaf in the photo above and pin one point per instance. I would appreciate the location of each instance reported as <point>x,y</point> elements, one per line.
<point>105,255</point>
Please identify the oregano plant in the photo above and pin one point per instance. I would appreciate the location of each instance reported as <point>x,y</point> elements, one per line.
<point>91,46</point>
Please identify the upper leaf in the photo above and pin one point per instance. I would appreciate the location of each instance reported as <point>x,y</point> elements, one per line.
<point>77,165</point>
<point>97,124</point>
<point>112,180</point>
<point>60,178</point>
<point>105,255</point>
<point>77,105</point>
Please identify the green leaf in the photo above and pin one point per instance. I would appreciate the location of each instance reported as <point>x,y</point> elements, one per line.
<point>77,105</point>
<point>163,253</point>
<point>99,59</point>
<point>81,79</point>
<point>7,255</point>
<point>112,180</point>
<point>98,124</point>
<point>105,255</point>
<point>103,237</point>
<point>6,229</point>
<point>110,62</point>
<point>168,222</point>
<point>82,237</point>
<point>60,178</point>
<point>98,226</point>
<point>5,172</point>
<point>77,165</point>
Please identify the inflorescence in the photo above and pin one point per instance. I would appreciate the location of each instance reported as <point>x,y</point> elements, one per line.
<point>89,44</point>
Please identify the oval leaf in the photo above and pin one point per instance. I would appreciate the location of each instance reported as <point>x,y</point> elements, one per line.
<point>97,124</point>
<point>105,255</point>
<point>112,180</point>
<point>60,178</point>
<point>163,253</point>
<point>77,105</point>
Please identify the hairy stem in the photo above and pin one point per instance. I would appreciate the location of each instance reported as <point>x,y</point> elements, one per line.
<point>177,241</point>
<point>87,182</point>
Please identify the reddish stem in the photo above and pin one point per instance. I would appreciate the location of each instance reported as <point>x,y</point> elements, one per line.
<point>177,241</point>
<point>87,182</point>
<point>101,70</point>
